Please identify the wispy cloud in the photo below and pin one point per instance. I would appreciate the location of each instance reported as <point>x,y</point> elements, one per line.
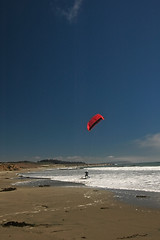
<point>150,141</point>
<point>70,12</point>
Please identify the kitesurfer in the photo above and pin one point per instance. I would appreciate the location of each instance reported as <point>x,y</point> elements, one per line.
<point>86,174</point>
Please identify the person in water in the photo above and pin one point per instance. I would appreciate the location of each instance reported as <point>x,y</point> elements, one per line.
<point>86,174</point>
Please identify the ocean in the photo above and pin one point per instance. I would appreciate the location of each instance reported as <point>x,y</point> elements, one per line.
<point>139,182</point>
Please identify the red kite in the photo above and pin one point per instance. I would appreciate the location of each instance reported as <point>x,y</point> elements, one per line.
<point>94,120</point>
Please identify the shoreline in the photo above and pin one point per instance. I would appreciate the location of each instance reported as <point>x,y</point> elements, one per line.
<point>139,198</point>
<point>132,197</point>
<point>71,213</point>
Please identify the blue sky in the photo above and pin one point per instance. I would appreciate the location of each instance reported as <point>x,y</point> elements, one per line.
<point>64,61</point>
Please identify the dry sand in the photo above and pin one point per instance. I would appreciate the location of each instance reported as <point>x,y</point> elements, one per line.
<point>71,213</point>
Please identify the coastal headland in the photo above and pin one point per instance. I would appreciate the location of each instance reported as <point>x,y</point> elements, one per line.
<point>68,213</point>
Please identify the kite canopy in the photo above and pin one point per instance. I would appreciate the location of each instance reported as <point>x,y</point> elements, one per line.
<point>94,120</point>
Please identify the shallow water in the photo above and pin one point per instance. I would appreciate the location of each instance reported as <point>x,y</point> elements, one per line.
<point>137,184</point>
<point>146,178</point>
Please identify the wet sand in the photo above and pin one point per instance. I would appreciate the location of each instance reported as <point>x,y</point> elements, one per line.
<point>71,213</point>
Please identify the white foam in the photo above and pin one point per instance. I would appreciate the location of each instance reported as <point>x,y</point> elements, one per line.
<point>144,178</point>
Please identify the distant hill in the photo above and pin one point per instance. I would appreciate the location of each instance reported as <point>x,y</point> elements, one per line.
<point>56,161</point>
<point>15,166</point>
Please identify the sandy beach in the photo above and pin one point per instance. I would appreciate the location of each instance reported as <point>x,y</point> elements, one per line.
<point>70,213</point>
